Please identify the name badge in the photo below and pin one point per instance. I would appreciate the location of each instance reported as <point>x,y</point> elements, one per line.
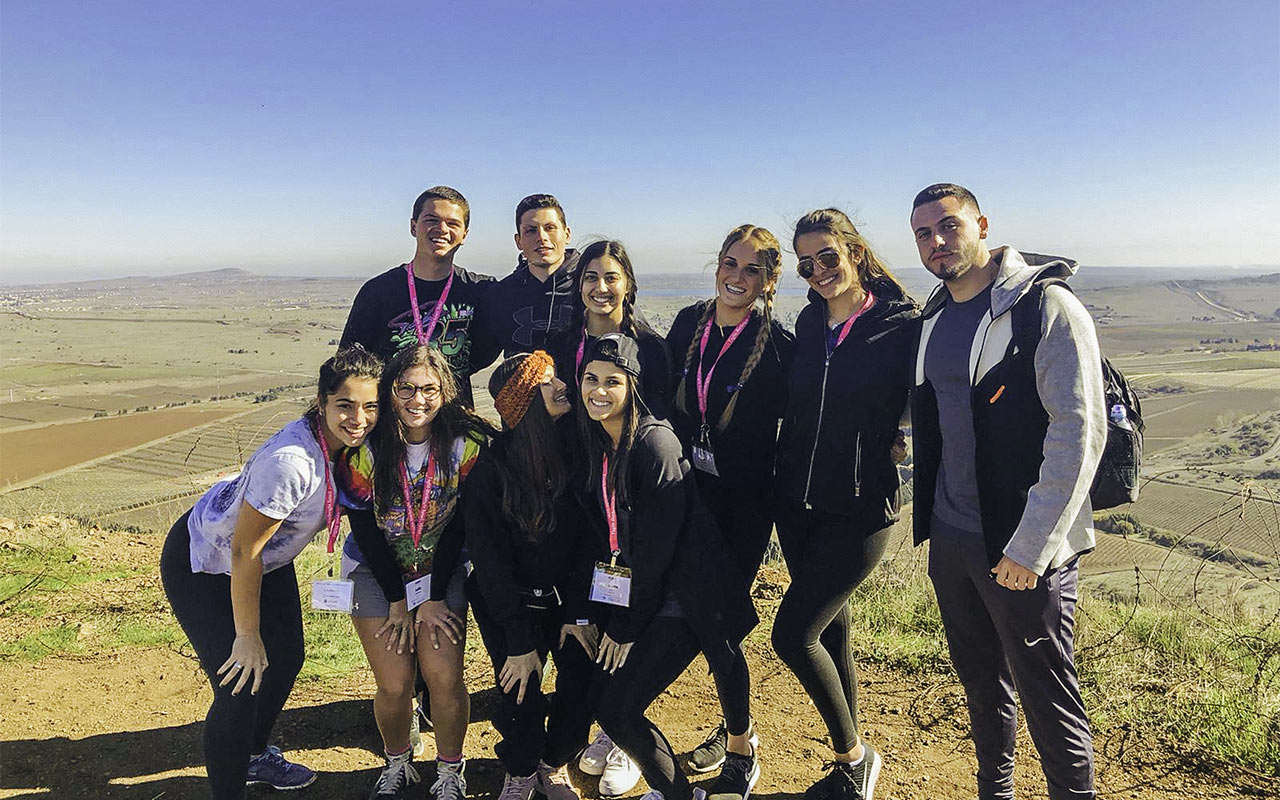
<point>417,592</point>
<point>333,595</point>
<point>611,584</point>
<point>705,460</point>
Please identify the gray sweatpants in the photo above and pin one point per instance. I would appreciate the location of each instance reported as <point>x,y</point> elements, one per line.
<point>1000,640</point>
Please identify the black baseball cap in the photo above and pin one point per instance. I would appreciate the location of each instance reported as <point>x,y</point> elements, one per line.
<point>618,349</point>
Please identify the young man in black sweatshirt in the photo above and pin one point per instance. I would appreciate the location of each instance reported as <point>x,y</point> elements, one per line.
<point>535,301</point>
<point>438,304</point>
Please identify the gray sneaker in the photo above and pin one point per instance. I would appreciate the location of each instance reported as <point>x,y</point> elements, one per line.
<point>517,788</point>
<point>450,784</point>
<point>397,776</point>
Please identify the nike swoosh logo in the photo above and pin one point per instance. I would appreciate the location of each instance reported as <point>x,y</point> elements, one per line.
<point>1030,643</point>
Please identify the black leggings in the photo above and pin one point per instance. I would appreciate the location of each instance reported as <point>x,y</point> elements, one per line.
<point>662,652</point>
<point>746,523</point>
<point>828,555</point>
<point>553,729</point>
<point>236,726</point>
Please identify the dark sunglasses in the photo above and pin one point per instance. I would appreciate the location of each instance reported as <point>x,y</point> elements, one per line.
<point>406,391</point>
<point>828,258</point>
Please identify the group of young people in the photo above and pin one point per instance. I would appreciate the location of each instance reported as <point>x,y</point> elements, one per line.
<point>615,518</point>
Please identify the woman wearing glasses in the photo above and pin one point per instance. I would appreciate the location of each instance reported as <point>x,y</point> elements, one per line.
<point>728,398</point>
<point>406,559</point>
<point>837,476</point>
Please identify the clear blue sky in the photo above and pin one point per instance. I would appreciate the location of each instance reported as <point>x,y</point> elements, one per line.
<point>293,137</point>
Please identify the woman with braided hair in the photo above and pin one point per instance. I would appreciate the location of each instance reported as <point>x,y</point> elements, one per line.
<point>727,401</point>
<point>605,302</point>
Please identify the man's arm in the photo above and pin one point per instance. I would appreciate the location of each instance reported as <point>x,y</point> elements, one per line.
<point>1069,380</point>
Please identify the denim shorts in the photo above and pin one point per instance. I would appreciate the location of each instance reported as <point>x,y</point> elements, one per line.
<point>371,602</point>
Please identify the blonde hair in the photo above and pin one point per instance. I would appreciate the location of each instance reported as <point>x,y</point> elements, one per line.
<point>769,254</point>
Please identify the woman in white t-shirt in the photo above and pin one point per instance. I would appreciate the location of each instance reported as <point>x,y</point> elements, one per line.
<point>227,569</point>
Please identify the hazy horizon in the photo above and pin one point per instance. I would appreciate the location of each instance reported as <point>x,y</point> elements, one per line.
<point>284,138</point>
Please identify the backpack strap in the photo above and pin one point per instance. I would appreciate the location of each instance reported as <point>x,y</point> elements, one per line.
<point>1027,313</point>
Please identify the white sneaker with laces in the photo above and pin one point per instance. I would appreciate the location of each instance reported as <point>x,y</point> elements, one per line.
<point>593,758</point>
<point>620,775</point>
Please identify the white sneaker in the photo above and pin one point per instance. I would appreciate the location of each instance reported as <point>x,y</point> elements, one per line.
<point>620,775</point>
<point>592,760</point>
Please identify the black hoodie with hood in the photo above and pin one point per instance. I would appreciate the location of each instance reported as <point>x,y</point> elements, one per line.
<point>520,313</point>
<point>843,410</point>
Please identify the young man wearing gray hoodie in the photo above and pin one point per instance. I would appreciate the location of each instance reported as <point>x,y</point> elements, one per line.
<point>1007,437</point>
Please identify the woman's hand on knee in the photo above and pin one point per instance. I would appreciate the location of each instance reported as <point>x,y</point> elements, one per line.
<point>399,627</point>
<point>248,657</point>
<point>587,635</point>
<point>518,671</point>
<point>612,654</point>
<point>437,617</point>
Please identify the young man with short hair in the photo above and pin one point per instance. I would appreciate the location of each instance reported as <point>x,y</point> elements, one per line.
<point>536,300</point>
<point>1006,445</point>
<point>429,297</point>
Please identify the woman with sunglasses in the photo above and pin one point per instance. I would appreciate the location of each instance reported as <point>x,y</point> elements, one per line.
<point>663,582</point>
<point>529,543</point>
<point>728,399</point>
<point>405,559</point>
<point>605,302</point>
<point>837,476</point>
<point>227,570</point>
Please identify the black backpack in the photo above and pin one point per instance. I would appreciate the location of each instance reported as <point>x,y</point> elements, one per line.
<point>1116,481</point>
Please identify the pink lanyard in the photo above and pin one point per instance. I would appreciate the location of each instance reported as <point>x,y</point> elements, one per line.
<point>703,385</point>
<point>424,336</point>
<point>582,347</point>
<point>331,515</point>
<point>416,524</point>
<point>844,331</point>
<point>610,509</point>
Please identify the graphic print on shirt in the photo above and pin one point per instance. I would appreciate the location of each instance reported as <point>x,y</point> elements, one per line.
<point>417,561</point>
<point>531,322</point>
<point>451,336</point>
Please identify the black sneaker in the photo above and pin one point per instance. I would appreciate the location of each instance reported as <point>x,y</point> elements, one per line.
<point>710,754</point>
<point>737,778</point>
<point>848,781</point>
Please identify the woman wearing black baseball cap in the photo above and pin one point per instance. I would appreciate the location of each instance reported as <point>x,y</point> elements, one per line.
<point>663,581</point>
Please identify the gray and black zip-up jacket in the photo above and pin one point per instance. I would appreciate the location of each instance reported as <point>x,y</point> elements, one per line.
<point>843,411</point>
<point>1039,420</point>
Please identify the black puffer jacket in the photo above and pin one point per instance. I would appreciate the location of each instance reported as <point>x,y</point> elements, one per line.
<point>843,411</point>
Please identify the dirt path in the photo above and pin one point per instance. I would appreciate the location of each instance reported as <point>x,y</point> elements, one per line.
<point>127,724</point>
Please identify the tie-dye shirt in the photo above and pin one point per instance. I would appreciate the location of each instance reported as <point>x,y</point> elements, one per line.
<point>446,487</point>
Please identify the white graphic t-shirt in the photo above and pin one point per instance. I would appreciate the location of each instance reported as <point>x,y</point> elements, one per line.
<point>285,480</point>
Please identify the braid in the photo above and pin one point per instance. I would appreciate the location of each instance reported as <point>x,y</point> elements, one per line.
<point>753,360</point>
<point>707,310</point>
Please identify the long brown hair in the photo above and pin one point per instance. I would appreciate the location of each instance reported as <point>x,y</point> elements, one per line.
<point>596,442</point>
<point>614,249</point>
<point>453,419</point>
<point>769,252</point>
<point>530,462</point>
<point>857,249</point>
